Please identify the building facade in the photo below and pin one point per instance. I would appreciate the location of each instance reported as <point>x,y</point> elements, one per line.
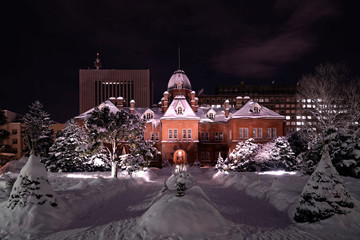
<point>98,85</point>
<point>282,99</point>
<point>178,122</point>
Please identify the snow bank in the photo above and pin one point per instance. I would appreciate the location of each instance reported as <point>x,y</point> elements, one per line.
<point>13,166</point>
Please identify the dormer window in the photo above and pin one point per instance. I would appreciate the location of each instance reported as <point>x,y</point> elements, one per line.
<point>148,114</point>
<point>255,108</point>
<point>179,111</point>
<point>179,84</point>
<point>211,114</point>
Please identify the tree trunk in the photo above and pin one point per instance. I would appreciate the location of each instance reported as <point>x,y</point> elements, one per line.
<point>114,169</point>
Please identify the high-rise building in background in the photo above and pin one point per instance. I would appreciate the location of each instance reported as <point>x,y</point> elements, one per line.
<point>97,85</point>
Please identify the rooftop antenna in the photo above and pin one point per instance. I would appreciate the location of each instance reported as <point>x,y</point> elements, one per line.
<point>97,63</point>
<point>179,58</point>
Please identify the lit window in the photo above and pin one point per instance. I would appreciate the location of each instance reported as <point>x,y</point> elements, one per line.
<point>241,133</point>
<point>287,117</point>
<point>189,134</point>
<point>170,133</point>
<point>246,133</point>
<point>175,133</point>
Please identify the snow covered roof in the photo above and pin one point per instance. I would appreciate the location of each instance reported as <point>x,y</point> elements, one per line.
<point>179,76</point>
<point>219,114</point>
<point>185,112</point>
<point>107,103</point>
<point>253,110</point>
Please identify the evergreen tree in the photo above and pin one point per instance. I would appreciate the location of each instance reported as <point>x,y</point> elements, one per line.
<point>109,129</point>
<point>32,187</point>
<point>344,150</point>
<point>37,129</point>
<point>242,157</point>
<point>324,194</point>
<point>297,142</point>
<point>281,155</point>
<point>221,164</point>
<point>68,153</point>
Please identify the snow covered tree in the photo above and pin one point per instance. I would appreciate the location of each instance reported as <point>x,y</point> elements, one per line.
<point>242,157</point>
<point>333,96</point>
<point>297,142</point>
<point>109,129</point>
<point>344,150</point>
<point>281,155</point>
<point>221,164</point>
<point>324,194</point>
<point>37,129</point>
<point>32,187</point>
<point>68,153</point>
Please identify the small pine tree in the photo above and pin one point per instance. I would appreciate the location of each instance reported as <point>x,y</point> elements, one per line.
<point>32,186</point>
<point>67,154</point>
<point>281,155</point>
<point>324,194</point>
<point>37,129</point>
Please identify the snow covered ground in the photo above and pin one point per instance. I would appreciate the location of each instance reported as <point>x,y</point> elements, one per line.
<point>215,206</point>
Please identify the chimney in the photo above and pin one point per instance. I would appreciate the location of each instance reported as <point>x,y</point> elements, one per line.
<point>132,106</point>
<point>119,103</point>
<point>227,107</point>
<point>192,100</point>
<point>238,102</point>
<point>166,101</point>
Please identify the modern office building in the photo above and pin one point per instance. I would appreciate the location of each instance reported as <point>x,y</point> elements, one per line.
<point>97,85</point>
<point>282,99</point>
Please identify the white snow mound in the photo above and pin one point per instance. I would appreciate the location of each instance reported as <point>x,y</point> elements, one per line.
<point>192,216</point>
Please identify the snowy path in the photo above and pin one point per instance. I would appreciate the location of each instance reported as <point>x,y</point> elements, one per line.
<point>241,208</point>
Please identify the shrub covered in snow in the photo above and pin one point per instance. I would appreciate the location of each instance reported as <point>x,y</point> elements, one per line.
<point>67,154</point>
<point>344,150</point>
<point>242,157</point>
<point>249,156</point>
<point>297,142</point>
<point>221,164</point>
<point>324,194</point>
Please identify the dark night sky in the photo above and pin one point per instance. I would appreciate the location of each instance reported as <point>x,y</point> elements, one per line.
<point>45,43</point>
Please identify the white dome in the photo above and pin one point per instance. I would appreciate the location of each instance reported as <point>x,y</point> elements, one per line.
<point>179,76</point>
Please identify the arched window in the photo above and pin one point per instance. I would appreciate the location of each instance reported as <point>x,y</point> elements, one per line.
<point>179,110</point>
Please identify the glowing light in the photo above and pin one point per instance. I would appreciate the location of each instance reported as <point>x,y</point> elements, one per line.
<point>276,173</point>
<point>76,175</point>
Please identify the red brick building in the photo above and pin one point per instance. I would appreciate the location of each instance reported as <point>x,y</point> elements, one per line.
<point>202,131</point>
